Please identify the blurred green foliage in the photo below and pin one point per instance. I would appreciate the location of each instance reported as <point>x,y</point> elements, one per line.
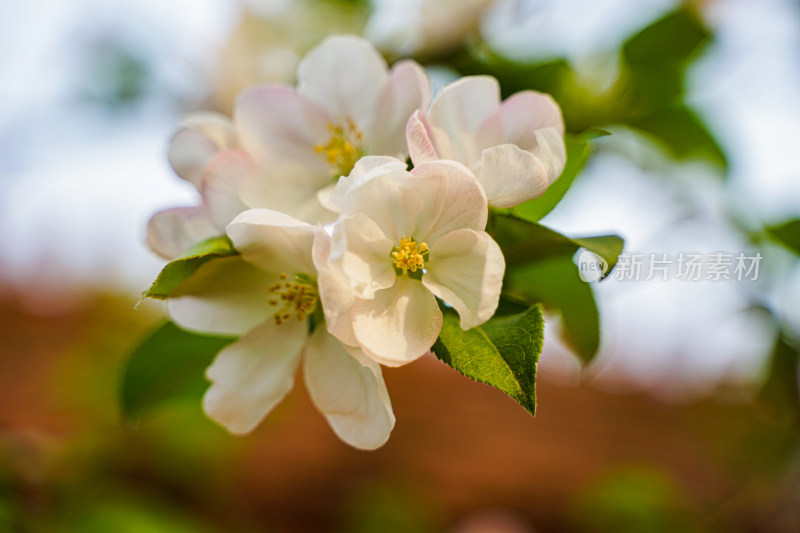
<point>388,507</point>
<point>647,94</point>
<point>117,76</point>
<point>636,500</point>
<point>787,234</point>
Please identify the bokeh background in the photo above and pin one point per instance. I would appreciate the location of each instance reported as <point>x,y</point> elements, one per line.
<point>686,421</point>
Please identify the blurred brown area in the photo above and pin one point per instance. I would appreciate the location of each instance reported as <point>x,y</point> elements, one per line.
<point>463,457</point>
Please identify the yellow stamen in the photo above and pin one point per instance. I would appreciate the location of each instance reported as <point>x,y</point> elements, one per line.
<point>410,255</point>
<point>343,148</point>
<point>295,298</point>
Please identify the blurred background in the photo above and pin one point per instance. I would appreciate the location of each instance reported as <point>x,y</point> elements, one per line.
<point>687,420</point>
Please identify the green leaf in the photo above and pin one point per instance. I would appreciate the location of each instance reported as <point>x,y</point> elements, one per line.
<point>671,39</point>
<point>540,268</point>
<point>556,283</point>
<point>178,270</point>
<point>781,388</point>
<point>683,134</point>
<point>577,155</point>
<point>546,76</point>
<point>788,234</point>
<point>654,61</point>
<point>502,353</point>
<point>168,364</point>
<point>523,242</point>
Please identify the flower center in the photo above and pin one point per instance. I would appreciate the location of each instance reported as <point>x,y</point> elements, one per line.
<point>293,298</point>
<point>410,255</point>
<point>344,147</point>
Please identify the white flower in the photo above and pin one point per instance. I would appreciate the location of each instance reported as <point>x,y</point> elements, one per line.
<point>300,141</point>
<point>268,296</point>
<point>403,239</point>
<point>205,137</point>
<point>287,147</point>
<point>406,27</point>
<point>515,148</point>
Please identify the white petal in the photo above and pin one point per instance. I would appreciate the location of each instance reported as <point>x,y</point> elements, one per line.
<point>226,296</point>
<point>511,175</point>
<point>215,126</point>
<point>387,196</point>
<point>518,118</point>
<point>396,27</point>
<point>352,396</point>
<point>171,232</point>
<point>291,189</point>
<point>400,324</point>
<point>407,90</point>
<point>333,198</point>
<point>222,180</point>
<point>551,151</point>
<point>189,153</point>
<point>361,255</point>
<point>335,296</point>
<point>465,270</point>
<point>275,124</point>
<point>456,114</point>
<point>251,376</point>
<point>344,75</point>
<point>420,140</point>
<point>453,199</point>
<point>195,145</point>
<point>273,241</point>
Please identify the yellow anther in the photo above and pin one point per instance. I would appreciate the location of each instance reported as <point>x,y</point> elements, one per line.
<point>410,255</point>
<point>295,298</point>
<point>343,149</point>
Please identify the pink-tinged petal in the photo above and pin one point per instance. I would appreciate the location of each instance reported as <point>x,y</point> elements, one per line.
<point>288,188</point>
<point>465,270</point>
<point>222,180</point>
<point>275,125</point>
<point>365,168</point>
<point>172,232</point>
<point>361,255</point>
<point>453,199</point>
<point>518,118</point>
<point>352,396</point>
<point>226,296</point>
<point>335,296</point>
<point>511,175</point>
<point>273,241</point>
<point>456,114</point>
<point>251,376</point>
<point>387,196</point>
<point>420,140</point>
<point>344,75</point>
<point>408,90</point>
<point>400,324</point>
<point>551,151</point>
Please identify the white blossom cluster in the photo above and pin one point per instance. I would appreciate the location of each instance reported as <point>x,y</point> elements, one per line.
<point>344,253</point>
